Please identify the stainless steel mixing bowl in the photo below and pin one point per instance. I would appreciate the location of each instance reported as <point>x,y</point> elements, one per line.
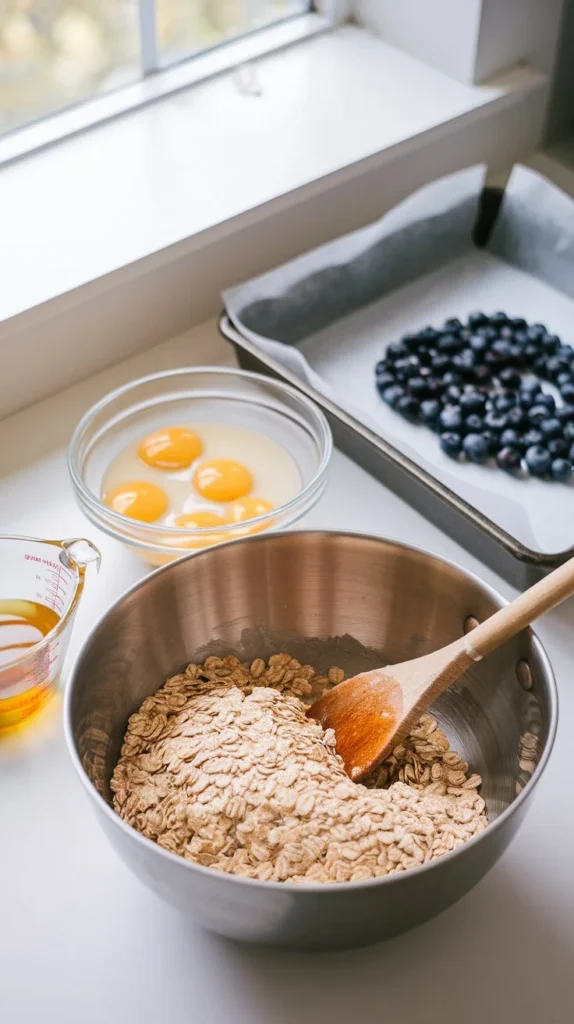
<point>327,598</point>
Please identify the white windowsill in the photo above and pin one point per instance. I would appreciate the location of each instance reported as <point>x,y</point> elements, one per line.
<point>159,84</point>
<point>197,164</point>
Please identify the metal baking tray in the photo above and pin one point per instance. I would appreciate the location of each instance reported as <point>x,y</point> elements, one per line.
<point>416,483</point>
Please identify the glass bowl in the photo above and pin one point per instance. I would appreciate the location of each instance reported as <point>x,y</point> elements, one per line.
<point>208,394</point>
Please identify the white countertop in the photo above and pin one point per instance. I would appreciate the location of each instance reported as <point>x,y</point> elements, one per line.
<point>83,942</point>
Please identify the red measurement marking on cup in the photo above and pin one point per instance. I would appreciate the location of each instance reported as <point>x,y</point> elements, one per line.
<point>56,588</point>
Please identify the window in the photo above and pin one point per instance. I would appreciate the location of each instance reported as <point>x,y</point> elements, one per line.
<point>57,53</point>
<point>185,27</point>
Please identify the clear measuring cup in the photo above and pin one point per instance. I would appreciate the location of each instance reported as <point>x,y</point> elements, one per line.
<point>41,582</point>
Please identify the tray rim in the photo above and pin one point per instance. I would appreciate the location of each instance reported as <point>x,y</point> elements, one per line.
<point>513,547</point>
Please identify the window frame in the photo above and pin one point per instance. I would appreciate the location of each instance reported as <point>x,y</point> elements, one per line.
<point>159,80</point>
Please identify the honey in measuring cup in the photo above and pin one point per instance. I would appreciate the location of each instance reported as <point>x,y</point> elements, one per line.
<point>41,583</point>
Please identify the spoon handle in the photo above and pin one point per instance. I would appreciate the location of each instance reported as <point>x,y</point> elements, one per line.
<point>527,607</point>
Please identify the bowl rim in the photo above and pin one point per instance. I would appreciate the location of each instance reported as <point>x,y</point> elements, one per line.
<point>313,889</point>
<point>90,500</point>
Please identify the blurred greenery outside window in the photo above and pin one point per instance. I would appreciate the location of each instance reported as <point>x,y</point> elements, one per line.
<point>57,53</point>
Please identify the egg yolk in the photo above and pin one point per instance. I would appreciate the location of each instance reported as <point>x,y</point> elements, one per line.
<point>137,499</point>
<point>248,508</point>
<point>222,480</point>
<point>170,448</point>
<point>198,519</point>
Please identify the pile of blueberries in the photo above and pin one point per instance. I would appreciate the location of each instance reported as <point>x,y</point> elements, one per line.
<point>477,386</point>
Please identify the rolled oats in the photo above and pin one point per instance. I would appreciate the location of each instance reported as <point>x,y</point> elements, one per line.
<point>222,767</point>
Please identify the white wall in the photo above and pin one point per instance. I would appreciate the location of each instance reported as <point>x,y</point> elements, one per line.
<point>443,33</point>
<point>513,31</point>
<point>470,40</point>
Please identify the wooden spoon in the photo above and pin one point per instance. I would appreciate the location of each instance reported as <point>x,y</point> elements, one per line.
<point>373,711</point>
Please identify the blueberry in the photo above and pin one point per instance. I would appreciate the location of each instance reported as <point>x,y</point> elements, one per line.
<point>509,377</point>
<point>435,386</point>
<point>556,365</point>
<point>451,418</point>
<point>408,407</point>
<point>384,381</point>
<point>560,469</point>
<point>418,387</point>
<point>492,441</point>
<point>500,354</point>
<point>440,363</point>
<point>558,448</point>
<point>479,344</point>
<point>448,344</point>
<point>451,378</point>
<point>531,438</point>
<point>537,413</point>
<point>451,443</point>
<point>550,428</point>
<point>396,351</point>
<point>453,394</point>
<point>424,357</point>
<point>477,319</point>
<point>546,399</point>
<point>490,333</point>
<point>482,375</point>
<point>550,343</point>
<point>475,447</point>
<point>495,421</point>
<point>441,378</point>
<point>510,439</point>
<point>393,394</point>
<point>406,368</point>
<point>464,362</point>
<point>429,335</point>
<point>411,341</point>
<point>503,403</point>
<point>472,402</point>
<point>538,460</point>
<point>516,417</point>
<point>430,412</point>
<point>508,459</point>
<point>498,319</point>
